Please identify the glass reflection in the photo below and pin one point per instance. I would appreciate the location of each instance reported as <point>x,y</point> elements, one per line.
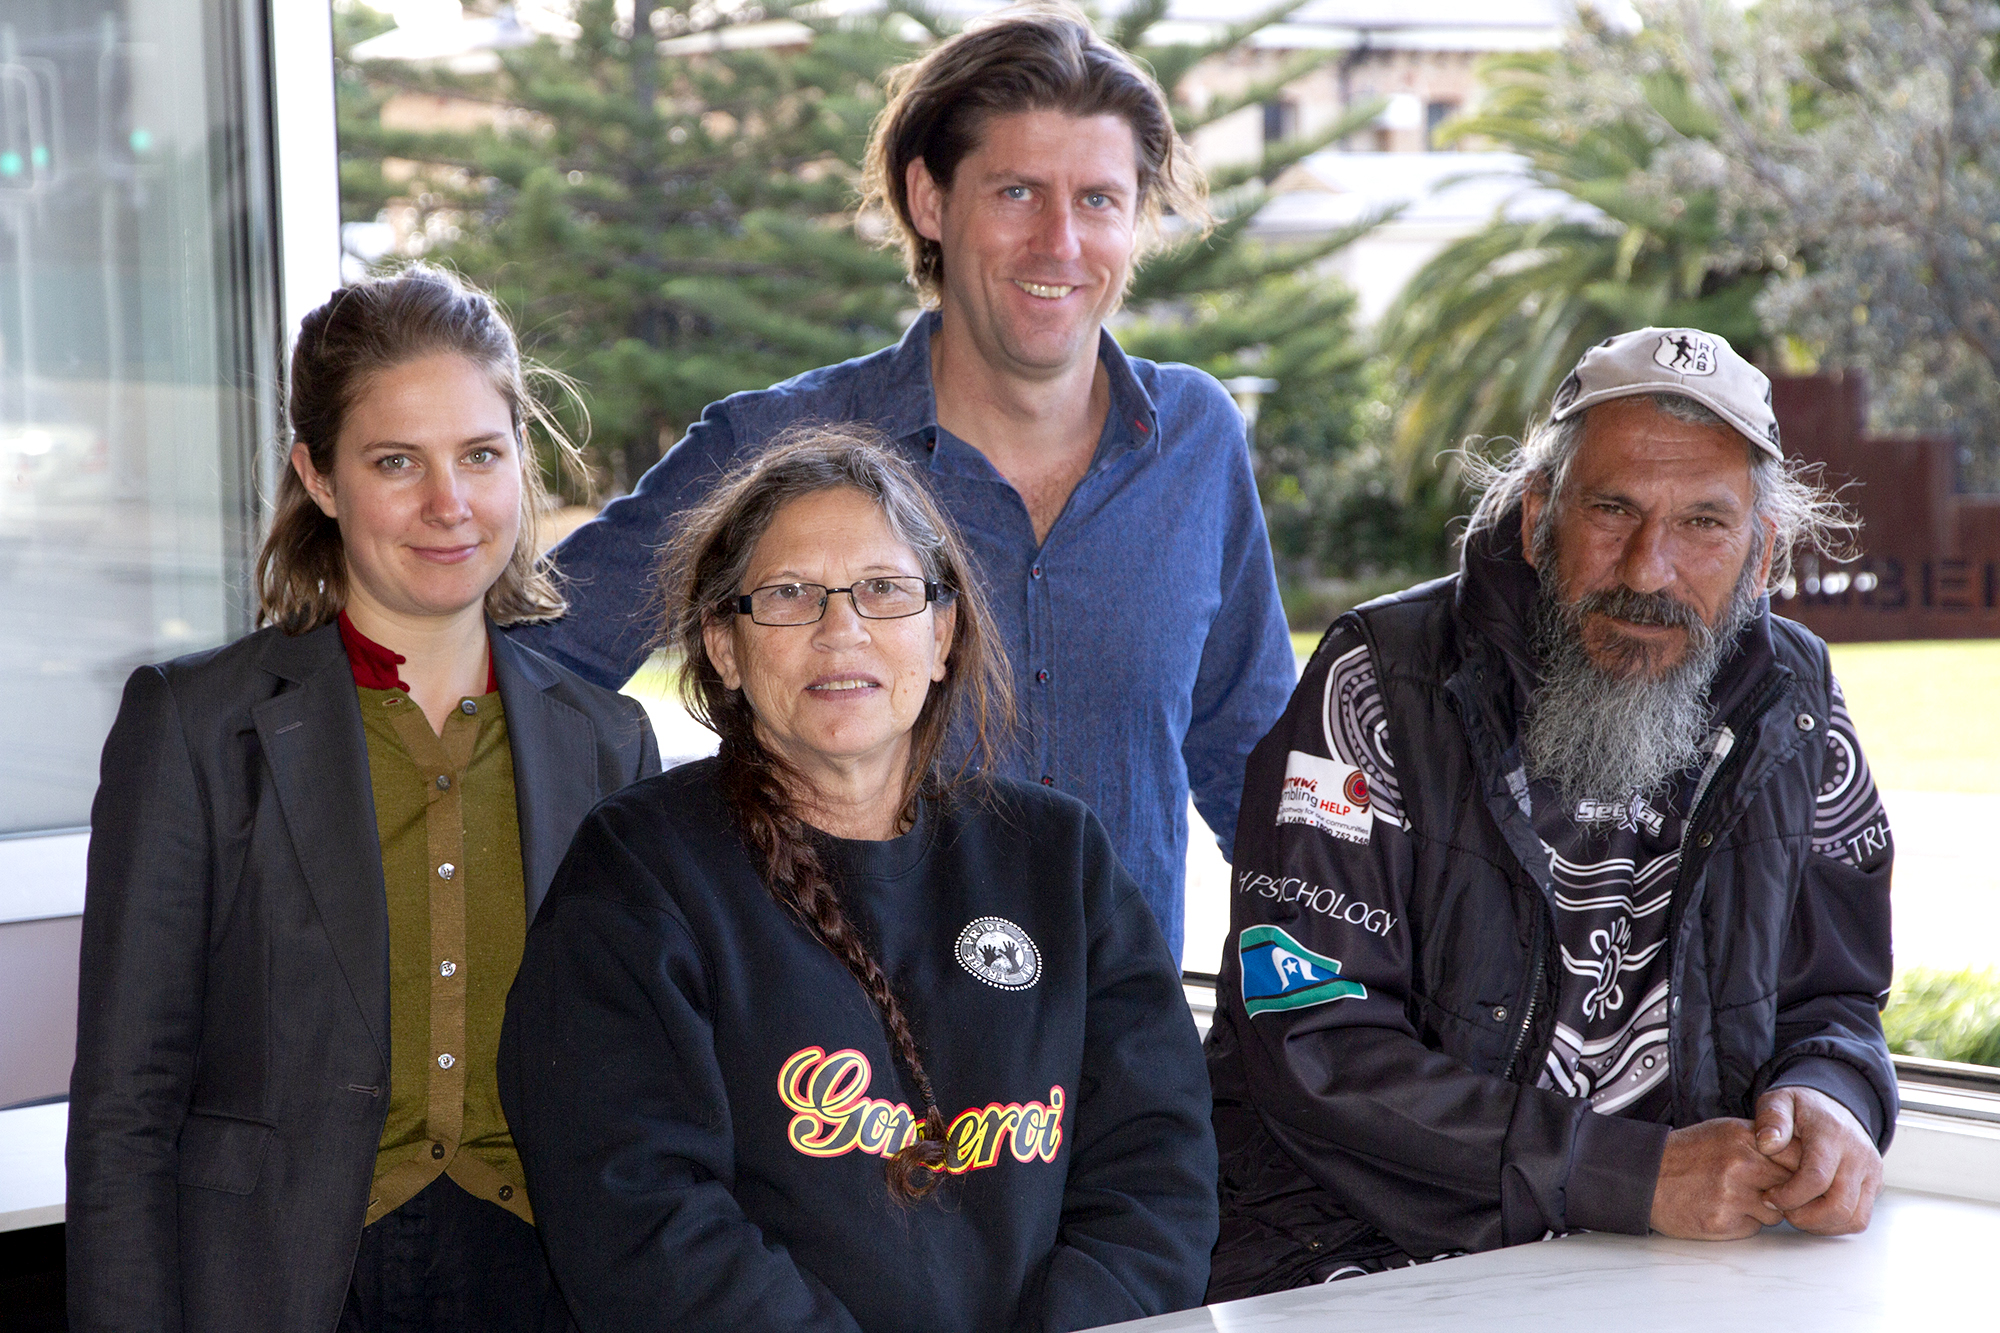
<point>136,367</point>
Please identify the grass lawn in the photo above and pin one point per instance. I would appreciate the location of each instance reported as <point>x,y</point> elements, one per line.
<point>1928,711</point>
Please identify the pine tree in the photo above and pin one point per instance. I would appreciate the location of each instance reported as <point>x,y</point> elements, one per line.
<point>656,227</point>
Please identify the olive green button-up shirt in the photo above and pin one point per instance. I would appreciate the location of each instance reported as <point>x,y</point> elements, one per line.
<point>451,860</point>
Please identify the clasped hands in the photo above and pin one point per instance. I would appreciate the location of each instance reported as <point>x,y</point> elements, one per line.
<point>1804,1160</point>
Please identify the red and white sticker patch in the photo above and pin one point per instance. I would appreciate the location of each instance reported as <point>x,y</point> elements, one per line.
<point>1327,795</point>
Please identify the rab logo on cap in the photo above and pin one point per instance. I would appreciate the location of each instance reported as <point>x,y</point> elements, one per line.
<point>1687,353</point>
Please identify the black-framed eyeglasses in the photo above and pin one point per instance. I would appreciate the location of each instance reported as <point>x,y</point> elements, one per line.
<point>885,598</point>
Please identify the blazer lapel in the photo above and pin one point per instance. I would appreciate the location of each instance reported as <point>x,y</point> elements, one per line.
<point>555,763</point>
<point>318,755</point>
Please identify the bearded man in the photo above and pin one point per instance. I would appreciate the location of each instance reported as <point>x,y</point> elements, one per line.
<point>1562,889</point>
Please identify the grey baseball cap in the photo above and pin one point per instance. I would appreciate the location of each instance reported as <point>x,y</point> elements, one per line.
<point>1698,365</point>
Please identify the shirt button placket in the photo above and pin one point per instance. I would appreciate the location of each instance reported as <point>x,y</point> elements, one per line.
<point>1038,634</point>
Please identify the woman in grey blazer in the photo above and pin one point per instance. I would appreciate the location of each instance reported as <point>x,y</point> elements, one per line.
<point>314,855</point>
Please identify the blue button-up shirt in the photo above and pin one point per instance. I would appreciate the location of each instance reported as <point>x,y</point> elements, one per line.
<point>1148,646</point>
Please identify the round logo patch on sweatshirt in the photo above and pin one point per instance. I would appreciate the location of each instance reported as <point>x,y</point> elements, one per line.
<point>999,953</point>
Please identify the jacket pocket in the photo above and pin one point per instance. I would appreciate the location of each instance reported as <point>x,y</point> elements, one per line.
<point>222,1152</point>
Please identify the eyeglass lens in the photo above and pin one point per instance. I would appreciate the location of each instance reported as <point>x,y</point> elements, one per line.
<point>804,603</point>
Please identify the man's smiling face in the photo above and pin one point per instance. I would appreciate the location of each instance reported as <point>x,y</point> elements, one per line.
<point>1038,231</point>
<point>1656,524</point>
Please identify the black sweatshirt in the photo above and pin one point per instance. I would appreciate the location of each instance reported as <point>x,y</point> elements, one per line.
<point>703,1096</point>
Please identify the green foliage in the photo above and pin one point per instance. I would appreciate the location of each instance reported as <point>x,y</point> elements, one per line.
<point>1485,332</point>
<point>656,227</point>
<point>1237,307</point>
<point>1297,330</point>
<point>1944,1015</point>
<point>671,229</point>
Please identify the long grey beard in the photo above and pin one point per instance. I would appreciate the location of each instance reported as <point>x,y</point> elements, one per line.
<point>1598,735</point>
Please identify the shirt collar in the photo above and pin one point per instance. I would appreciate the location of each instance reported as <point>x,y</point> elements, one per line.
<point>374,665</point>
<point>910,399</point>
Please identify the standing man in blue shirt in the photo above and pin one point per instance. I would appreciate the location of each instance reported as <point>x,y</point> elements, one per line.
<point>1025,164</point>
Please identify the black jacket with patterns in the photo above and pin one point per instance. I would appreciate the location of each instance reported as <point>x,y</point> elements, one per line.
<point>1406,1119</point>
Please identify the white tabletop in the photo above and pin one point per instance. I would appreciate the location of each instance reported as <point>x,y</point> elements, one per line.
<point>1926,1262</point>
<point>31,1165</point>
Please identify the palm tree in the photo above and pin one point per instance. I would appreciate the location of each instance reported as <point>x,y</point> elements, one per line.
<point>1483,334</point>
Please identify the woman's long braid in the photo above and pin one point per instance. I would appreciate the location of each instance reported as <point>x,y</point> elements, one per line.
<point>798,878</point>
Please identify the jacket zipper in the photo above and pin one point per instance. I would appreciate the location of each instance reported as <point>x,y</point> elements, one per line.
<point>1764,705</point>
<point>1678,910</point>
<point>1534,989</point>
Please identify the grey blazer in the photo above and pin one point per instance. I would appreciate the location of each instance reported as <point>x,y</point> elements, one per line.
<point>232,1062</point>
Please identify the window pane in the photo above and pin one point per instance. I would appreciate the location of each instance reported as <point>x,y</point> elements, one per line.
<point>136,364</point>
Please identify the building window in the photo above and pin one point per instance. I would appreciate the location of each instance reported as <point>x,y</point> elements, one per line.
<point>138,367</point>
<point>1435,115</point>
<point>1281,121</point>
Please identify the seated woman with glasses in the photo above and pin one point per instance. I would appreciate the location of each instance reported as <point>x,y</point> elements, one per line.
<point>822,1034</point>
<point>314,857</point>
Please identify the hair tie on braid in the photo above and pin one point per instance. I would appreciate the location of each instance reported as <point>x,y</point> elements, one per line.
<point>916,1170</point>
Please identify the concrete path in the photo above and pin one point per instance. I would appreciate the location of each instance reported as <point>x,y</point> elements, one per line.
<point>1947,886</point>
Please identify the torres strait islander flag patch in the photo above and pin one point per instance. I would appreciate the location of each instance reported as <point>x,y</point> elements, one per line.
<point>1280,973</point>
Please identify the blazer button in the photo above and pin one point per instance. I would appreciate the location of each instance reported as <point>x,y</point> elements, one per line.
<point>437,1152</point>
<point>467,706</point>
<point>506,1192</point>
